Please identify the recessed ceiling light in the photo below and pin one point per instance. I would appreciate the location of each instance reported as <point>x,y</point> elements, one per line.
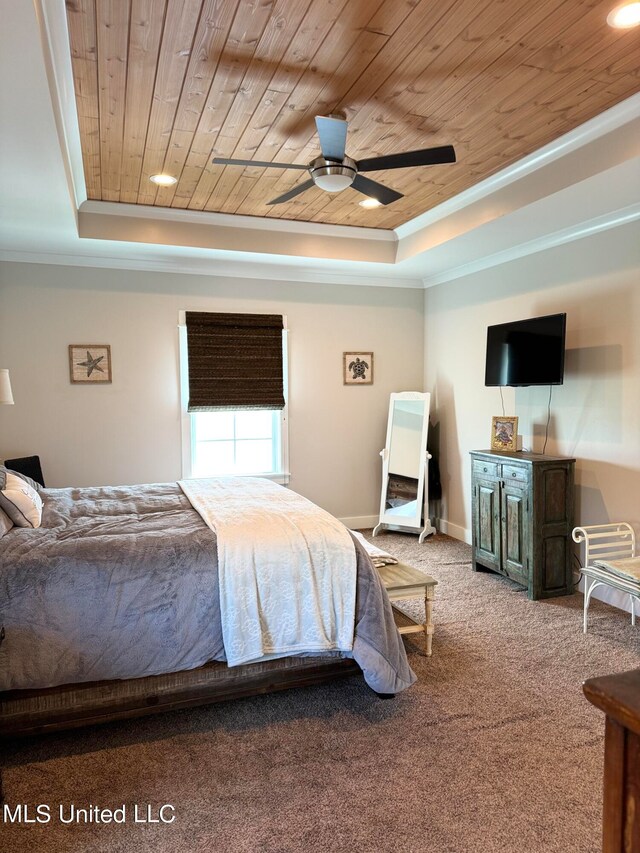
<point>624,16</point>
<point>370,202</point>
<point>163,180</point>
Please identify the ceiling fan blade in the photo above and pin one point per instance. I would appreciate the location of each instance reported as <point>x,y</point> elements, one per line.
<point>300,188</point>
<point>375,190</point>
<point>424,157</point>
<point>223,161</point>
<point>333,136</point>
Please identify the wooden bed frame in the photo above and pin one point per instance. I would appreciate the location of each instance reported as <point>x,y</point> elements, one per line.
<point>29,712</point>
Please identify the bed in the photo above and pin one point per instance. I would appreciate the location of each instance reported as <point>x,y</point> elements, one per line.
<point>111,609</point>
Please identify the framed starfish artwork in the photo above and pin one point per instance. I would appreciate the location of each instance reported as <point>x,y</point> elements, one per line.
<point>90,363</point>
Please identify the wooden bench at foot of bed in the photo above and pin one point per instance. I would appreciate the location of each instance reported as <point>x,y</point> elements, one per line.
<point>27,712</point>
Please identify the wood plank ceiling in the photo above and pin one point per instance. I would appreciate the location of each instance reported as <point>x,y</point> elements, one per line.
<point>165,85</point>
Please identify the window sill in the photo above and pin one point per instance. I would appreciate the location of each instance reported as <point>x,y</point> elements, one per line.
<point>281,478</point>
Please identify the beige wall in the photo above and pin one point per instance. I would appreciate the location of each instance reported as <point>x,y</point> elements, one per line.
<point>595,414</point>
<point>129,431</point>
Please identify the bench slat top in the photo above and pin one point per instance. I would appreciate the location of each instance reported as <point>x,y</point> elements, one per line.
<point>399,576</point>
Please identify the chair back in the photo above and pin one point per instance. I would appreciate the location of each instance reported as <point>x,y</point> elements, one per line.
<point>27,465</point>
<point>615,541</point>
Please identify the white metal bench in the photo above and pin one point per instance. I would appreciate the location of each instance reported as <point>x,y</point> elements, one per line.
<point>610,560</point>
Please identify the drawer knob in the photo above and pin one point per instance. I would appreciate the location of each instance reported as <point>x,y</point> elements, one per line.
<point>514,474</point>
<point>485,470</point>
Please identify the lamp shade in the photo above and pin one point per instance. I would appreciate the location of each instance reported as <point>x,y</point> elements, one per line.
<point>5,387</point>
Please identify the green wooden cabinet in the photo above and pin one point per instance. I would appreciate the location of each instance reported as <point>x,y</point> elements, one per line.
<point>523,518</point>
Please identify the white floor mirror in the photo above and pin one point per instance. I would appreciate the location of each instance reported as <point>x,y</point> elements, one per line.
<point>405,491</point>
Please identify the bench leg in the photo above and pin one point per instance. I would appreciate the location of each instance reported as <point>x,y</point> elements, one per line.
<point>428,619</point>
<point>633,608</point>
<point>589,584</point>
<point>585,605</point>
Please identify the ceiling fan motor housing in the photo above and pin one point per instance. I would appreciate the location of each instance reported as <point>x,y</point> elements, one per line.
<point>333,175</point>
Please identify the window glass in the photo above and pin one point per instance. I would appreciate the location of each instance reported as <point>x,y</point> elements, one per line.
<point>254,424</point>
<point>213,458</point>
<point>213,426</point>
<point>234,443</point>
<point>254,456</point>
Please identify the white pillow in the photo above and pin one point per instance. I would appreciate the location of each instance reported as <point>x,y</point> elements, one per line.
<point>5,523</point>
<point>20,501</point>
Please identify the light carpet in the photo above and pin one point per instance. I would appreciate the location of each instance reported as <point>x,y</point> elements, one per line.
<point>495,748</point>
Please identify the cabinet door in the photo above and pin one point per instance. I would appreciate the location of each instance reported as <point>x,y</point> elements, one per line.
<point>486,522</point>
<point>551,539</point>
<point>514,519</point>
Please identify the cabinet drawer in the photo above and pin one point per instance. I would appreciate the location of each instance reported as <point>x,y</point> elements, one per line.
<point>487,469</point>
<point>516,473</point>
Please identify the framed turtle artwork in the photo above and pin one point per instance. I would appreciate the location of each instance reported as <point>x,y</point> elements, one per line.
<point>357,368</point>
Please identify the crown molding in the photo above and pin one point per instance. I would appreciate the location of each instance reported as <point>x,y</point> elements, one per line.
<point>608,121</point>
<point>56,53</point>
<point>216,268</point>
<point>233,220</point>
<point>124,223</point>
<point>540,244</point>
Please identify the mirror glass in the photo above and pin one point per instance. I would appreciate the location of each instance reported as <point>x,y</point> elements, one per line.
<point>406,455</point>
<point>404,495</point>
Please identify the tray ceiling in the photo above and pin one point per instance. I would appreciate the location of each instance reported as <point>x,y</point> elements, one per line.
<point>166,85</point>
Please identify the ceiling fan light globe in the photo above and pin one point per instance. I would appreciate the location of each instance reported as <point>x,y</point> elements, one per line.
<point>333,177</point>
<point>333,183</point>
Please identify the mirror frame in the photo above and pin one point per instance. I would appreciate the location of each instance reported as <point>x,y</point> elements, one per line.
<point>389,520</point>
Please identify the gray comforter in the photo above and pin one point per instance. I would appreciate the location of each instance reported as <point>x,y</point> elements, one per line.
<point>122,583</point>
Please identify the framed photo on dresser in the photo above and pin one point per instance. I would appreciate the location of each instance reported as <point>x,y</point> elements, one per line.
<point>504,433</point>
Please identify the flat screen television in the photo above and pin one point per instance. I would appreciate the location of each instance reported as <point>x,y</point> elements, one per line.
<point>527,352</point>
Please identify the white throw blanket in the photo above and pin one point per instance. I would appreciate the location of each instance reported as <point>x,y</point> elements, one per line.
<point>287,569</point>
<point>379,558</point>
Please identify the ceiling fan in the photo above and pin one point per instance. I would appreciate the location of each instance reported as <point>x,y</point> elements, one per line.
<point>334,171</point>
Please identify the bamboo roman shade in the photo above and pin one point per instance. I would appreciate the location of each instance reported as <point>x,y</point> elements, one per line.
<point>235,361</point>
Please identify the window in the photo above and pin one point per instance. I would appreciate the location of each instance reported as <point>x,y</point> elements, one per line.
<point>233,442</point>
